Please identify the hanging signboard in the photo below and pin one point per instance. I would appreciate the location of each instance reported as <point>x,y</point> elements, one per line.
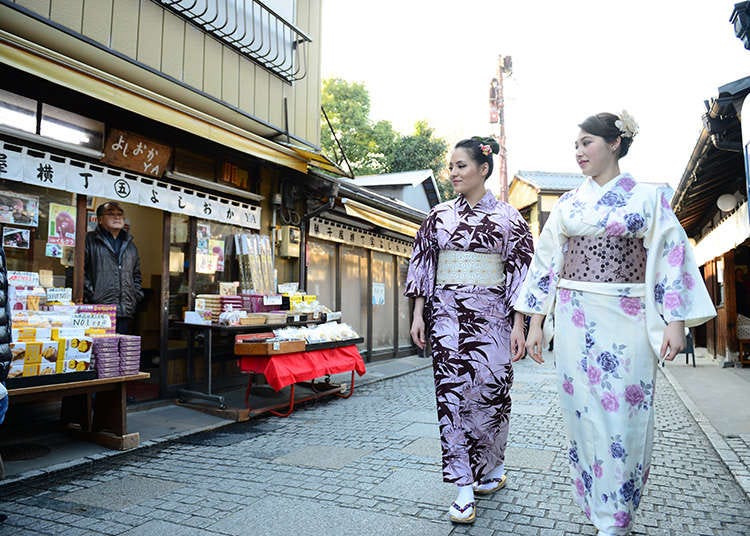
<point>134,152</point>
<point>61,173</point>
<point>344,234</point>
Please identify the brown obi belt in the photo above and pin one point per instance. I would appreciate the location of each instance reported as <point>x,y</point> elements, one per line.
<point>605,259</point>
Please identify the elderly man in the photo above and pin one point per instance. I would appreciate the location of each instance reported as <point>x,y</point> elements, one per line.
<point>112,267</point>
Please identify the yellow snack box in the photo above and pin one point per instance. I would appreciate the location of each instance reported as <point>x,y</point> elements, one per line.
<point>67,333</point>
<point>30,334</point>
<point>95,332</point>
<point>50,354</point>
<point>26,356</point>
<point>18,354</point>
<point>75,354</point>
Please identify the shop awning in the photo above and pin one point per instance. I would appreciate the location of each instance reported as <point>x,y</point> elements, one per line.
<point>380,218</point>
<point>88,80</point>
<point>724,237</point>
<point>317,159</point>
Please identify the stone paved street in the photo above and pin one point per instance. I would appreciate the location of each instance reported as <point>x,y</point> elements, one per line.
<point>370,465</point>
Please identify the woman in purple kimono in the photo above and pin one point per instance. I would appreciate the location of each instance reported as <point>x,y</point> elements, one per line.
<point>470,257</point>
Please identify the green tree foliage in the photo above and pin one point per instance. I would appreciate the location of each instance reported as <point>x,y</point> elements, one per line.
<point>373,148</point>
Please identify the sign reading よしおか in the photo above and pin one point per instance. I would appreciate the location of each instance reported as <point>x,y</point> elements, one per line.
<point>136,153</point>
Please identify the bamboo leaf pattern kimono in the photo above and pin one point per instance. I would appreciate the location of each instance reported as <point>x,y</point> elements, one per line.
<point>469,328</point>
<point>606,361</point>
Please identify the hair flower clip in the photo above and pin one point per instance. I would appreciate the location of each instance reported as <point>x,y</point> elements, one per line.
<point>626,125</point>
<point>485,148</point>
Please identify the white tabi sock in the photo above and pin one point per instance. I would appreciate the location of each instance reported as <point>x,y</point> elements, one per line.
<point>464,497</point>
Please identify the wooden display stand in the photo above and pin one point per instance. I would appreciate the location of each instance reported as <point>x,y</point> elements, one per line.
<point>101,419</point>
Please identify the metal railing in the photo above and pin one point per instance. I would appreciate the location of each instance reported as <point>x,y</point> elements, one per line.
<point>251,28</point>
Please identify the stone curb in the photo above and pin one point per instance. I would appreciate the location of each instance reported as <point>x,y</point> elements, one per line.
<point>90,460</point>
<point>728,456</point>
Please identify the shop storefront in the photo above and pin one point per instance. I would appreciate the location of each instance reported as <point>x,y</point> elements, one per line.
<point>711,204</point>
<point>186,204</point>
<point>363,273</point>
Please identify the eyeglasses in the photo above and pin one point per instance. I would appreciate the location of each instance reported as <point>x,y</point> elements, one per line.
<point>113,214</point>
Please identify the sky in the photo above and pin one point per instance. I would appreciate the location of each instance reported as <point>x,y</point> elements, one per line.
<point>434,60</point>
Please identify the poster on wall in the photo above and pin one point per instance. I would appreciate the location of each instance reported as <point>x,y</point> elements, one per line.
<point>16,238</point>
<point>378,293</point>
<point>217,251</point>
<point>62,225</point>
<point>19,209</point>
<point>91,221</point>
<point>204,234</point>
<point>53,250</point>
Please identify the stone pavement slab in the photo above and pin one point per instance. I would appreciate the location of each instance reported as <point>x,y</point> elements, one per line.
<point>426,486</point>
<point>274,516</point>
<point>427,447</point>
<point>121,493</point>
<point>322,456</point>
<point>165,528</point>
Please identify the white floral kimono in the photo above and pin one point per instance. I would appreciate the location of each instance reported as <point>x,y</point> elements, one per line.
<point>609,334</point>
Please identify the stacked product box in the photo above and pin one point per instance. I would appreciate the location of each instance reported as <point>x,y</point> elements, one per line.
<point>107,356</point>
<point>130,354</point>
<point>117,355</point>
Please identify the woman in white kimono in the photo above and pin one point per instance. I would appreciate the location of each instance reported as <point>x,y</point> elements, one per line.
<point>615,267</point>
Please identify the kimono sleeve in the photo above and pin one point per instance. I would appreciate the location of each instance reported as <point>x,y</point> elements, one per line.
<point>674,286</point>
<point>537,294</point>
<point>519,248</point>
<point>420,279</point>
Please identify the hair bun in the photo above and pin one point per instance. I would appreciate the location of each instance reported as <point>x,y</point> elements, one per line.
<point>489,140</point>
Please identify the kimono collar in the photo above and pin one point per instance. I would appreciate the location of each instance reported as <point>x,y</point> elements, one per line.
<point>623,181</point>
<point>486,204</point>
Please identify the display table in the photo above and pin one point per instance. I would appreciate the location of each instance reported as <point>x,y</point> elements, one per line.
<point>101,418</point>
<point>281,370</point>
<point>208,331</point>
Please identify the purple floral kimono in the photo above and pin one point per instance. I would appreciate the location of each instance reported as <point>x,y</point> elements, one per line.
<point>606,360</point>
<point>469,329</point>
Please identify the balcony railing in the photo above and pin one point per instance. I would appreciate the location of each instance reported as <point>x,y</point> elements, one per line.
<point>251,28</point>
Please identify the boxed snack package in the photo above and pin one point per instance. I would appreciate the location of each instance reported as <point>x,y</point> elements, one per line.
<point>75,354</point>
<point>29,354</point>
<point>67,333</point>
<point>18,353</point>
<point>50,353</point>
<point>30,334</point>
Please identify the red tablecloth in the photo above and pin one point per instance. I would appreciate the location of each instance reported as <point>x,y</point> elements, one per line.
<point>285,369</point>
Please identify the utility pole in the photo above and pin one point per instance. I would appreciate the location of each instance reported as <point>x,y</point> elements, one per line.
<point>497,119</point>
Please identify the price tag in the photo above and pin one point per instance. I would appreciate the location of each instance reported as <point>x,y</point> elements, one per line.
<point>276,345</point>
<point>274,299</point>
<point>59,295</point>
<point>91,320</point>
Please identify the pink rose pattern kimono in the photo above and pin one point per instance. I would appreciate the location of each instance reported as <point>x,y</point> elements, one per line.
<point>606,361</point>
<point>469,329</point>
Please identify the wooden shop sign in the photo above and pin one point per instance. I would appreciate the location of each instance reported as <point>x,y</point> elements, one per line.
<point>134,152</point>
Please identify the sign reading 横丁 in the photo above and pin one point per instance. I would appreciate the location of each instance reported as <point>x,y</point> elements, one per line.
<point>136,153</point>
<point>22,164</point>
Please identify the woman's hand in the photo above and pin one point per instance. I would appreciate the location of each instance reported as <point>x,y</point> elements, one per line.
<point>417,331</point>
<point>517,341</point>
<point>534,338</point>
<point>674,340</point>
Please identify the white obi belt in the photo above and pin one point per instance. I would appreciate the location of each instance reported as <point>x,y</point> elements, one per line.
<point>469,268</point>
